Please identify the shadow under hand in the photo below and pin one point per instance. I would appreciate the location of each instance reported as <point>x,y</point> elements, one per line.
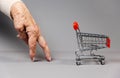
<point>9,43</point>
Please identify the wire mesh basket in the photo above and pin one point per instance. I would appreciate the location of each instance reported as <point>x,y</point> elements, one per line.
<point>89,42</point>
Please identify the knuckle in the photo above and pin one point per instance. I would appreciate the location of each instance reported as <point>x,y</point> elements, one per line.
<point>18,27</point>
<point>32,45</point>
<point>34,32</point>
<point>18,24</point>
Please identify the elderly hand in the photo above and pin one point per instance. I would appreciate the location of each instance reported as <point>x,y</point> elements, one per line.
<point>28,29</point>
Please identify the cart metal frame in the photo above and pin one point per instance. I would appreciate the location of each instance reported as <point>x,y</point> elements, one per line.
<point>89,42</point>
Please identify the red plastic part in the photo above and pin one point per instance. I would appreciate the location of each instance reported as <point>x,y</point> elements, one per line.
<point>75,25</point>
<point>108,42</point>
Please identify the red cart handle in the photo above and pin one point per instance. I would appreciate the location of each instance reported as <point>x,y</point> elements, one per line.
<point>108,42</point>
<point>75,25</point>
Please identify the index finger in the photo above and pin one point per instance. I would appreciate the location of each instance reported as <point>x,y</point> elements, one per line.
<point>32,38</point>
<point>44,46</point>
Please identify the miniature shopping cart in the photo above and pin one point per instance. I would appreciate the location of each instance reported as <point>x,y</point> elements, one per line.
<point>89,42</point>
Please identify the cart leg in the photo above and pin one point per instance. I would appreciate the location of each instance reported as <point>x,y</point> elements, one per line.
<point>102,60</point>
<point>92,53</point>
<point>78,61</point>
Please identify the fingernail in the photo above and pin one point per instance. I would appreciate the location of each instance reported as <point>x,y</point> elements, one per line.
<point>35,59</point>
<point>32,59</point>
<point>49,59</point>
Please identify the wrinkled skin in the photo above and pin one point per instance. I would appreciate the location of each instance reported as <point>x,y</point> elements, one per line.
<point>28,30</point>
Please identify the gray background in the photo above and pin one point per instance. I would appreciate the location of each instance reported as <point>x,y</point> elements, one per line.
<point>55,18</point>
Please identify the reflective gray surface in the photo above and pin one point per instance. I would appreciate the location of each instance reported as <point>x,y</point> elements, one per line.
<point>18,64</point>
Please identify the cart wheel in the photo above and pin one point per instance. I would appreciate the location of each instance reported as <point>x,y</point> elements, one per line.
<point>78,63</point>
<point>102,62</point>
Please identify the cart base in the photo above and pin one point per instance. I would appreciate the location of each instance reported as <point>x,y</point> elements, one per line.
<point>99,58</point>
